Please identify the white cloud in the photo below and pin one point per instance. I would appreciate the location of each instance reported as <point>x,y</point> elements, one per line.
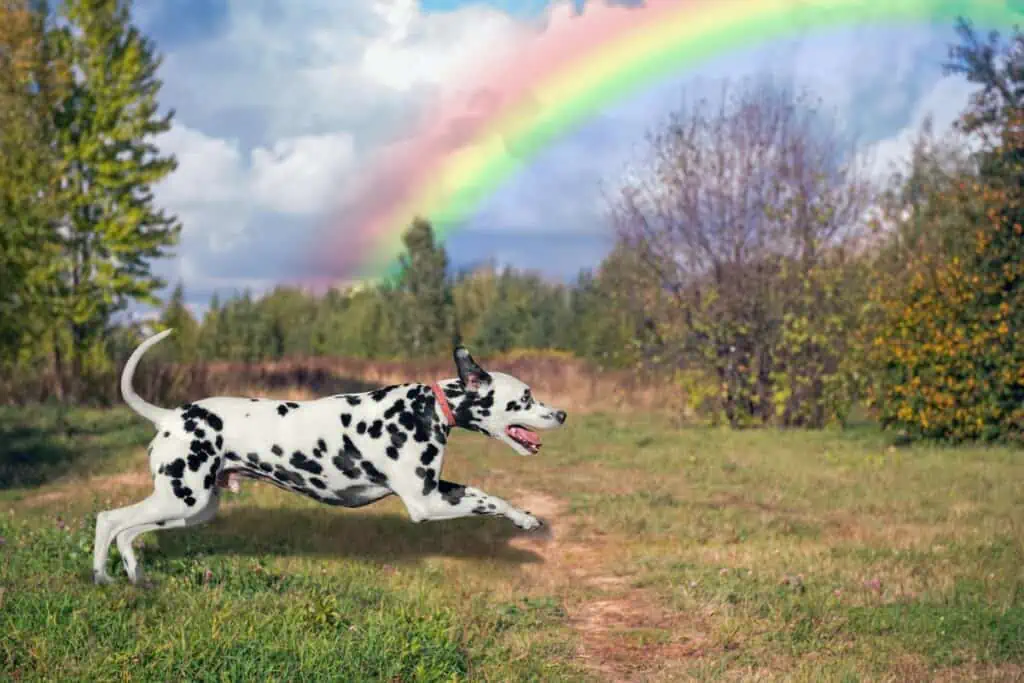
<point>297,175</point>
<point>209,169</point>
<point>943,104</point>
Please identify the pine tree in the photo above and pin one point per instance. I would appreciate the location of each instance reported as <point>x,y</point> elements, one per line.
<point>111,229</point>
<point>30,79</point>
<point>184,343</point>
<point>425,290</point>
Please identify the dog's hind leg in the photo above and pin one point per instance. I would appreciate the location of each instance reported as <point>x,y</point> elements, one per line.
<point>449,500</point>
<point>156,508</point>
<point>127,535</point>
<point>171,505</point>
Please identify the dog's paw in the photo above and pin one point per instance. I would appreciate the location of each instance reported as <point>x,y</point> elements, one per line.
<point>528,522</point>
<point>102,579</point>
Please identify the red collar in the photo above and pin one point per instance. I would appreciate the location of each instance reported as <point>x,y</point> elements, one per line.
<point>442,401</point>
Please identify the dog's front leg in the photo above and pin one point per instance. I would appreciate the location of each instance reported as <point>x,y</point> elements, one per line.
<point>449,500</point>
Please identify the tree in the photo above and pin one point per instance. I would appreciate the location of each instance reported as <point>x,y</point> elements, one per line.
<point>425,291</point>
<point>736,206</point>
<point>110,229</point>
<point>31,79</point>
<point>184,343</point>
<point>947,341</point>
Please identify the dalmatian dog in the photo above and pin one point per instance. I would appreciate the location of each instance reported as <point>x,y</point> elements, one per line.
<point>347,450</point>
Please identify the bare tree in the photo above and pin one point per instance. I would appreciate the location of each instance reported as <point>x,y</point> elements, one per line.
<point>736,202</point>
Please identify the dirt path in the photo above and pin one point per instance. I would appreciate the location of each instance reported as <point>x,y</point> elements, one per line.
<point>623,630</point>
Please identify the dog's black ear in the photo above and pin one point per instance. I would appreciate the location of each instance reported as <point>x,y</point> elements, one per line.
<point>472,375</point>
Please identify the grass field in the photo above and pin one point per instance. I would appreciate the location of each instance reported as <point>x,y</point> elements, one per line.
<point>675,554</point>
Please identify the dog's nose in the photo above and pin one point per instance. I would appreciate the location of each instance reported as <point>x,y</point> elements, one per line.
<point>560,416</point>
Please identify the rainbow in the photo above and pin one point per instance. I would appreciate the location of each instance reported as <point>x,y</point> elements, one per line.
<point>548,83</point>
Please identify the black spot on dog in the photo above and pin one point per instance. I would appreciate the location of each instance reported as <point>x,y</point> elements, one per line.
<point>512,406</point>
<point>200,433</point>
<point>166,434</point>
<point>375,429</point>
<point>391,452</point>
<point>398,438</point>
<point>397,407</point>
<point>175,469</point>
<point>266,467</point>
<point>220,442</point>
<point>215,423</point>
<point>291,404</point>
<point>317,482</point>
<point>429,477</point>
<point>253,458</point>
<point>422,433</point>
<point>429,453</point>
<point>181,491</point>
<point>346,459</point>
<point>161,523</point>
<point>353,400</point>
<point>276,450</point>
<point>287,476</point>
<point>195,460</point>
<point>300,461</point>
<point>382,393</point>
<point>282,410</point>
<point>231,455</point>
<point>211,478</point>
<point>373,474</point>
<point>407,420</point>
<point>346,419</point>
<point>190,425</point>
<point>361,428</point>
<point>412,393</point>
<point>254,400</point>
<point>440,434</point>
<point>190,501</point>
<point>350,448</point>
<point>451,493</point>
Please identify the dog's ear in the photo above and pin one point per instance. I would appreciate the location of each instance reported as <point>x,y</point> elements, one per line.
<point>472,375</point>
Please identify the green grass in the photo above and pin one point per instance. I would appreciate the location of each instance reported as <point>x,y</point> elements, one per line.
<point>678,554</point>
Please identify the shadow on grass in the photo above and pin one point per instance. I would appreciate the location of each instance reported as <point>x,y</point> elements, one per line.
<point>350,534</point>
<point>41,443</point>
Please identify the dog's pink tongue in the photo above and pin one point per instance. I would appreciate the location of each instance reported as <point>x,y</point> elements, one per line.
<point>526,435</point>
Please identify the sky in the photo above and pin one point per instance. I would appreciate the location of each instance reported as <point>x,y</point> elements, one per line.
<point>282,104</point>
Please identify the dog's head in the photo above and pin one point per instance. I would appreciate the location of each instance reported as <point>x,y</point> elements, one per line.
<point>501,406</point>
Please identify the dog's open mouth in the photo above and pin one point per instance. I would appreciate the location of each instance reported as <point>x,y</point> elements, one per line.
<point>527,438</point>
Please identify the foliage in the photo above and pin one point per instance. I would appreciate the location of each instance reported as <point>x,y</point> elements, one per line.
<point>31,80</point>
<point>734,223</point>
<point>424,292</point>
<point>109,228</point>
<point>948,332</point>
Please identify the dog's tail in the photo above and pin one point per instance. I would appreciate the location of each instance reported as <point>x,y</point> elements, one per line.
<point>154,414</point>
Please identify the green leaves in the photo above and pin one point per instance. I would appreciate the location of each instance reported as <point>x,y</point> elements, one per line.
<point>77,165</point>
